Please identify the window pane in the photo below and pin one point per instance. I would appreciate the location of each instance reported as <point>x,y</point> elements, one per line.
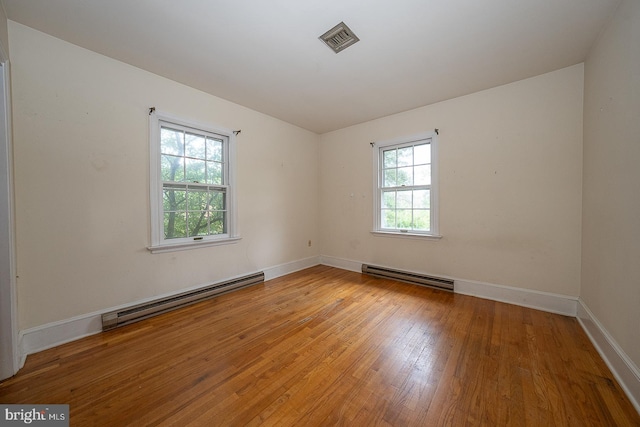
<point>388,199</point>
<point>172,168</point>
<point>388,218</point>
<point>422,219</point>
<point>405,156</point>
<point>174,199</point>
<point>404,218</point>
<point>214,149</point>
<point>405,176</point>
<point>389,158</point>
<point>195,170</point>
<point>421,199</point>
<point>175,225</point>
<point>171,142</point>
<point>422,175</point>
<point>198,223</point>
<point>197,200</point>
<point>218,223</point>
<point>422,154</point>
<point>389,179</point>
<point>404,199</point>
<point>216,201</point>
<point>194,146</point>
<point>214,173</point>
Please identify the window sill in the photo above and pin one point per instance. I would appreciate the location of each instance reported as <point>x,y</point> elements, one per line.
<point>407,235</point>
<point>191,245</point>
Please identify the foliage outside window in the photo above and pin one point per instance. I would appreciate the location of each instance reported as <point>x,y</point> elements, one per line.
<point>405,186</point>
<point>191,182</point>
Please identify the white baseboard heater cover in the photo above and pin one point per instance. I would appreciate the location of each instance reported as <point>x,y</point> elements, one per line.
<point>139,312</point>
<point>409,277</point>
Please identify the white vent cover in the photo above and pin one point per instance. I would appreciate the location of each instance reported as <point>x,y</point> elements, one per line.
<point>339,37</point>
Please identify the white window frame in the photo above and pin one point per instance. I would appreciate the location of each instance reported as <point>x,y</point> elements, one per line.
<point>379,147</point>
<point>158,242</point>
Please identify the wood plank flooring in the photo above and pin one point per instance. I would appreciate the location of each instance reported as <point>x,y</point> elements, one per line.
<point>326,347</point>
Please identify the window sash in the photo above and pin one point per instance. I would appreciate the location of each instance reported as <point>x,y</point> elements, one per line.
<point>214,164</point>
<point>195,209</point>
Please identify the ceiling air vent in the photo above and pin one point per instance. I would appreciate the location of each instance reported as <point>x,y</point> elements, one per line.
<point>339,37</point>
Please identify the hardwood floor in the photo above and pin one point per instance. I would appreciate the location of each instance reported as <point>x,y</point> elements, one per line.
<point>330,347</point>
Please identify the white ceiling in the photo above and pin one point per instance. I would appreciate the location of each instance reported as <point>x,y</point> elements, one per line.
<point>266,55</point>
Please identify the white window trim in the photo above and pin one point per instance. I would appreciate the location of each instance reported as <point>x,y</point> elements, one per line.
<point>433,234</point>
<point>158,244</point>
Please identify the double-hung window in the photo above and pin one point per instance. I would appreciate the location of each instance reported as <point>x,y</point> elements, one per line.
<point>192,192</point>
<point>406,186</point>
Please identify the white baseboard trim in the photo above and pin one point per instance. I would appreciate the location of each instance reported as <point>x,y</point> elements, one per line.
<point>624,370</point>
<point>290,267</point>
<point>53,334</point>
<point>545,301</point>
<point>57,333</point>
<point>554,303</point>
<point>344,264</point>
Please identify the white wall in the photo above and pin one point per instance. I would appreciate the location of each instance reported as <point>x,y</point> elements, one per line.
<point>611,205</point>
<point>82,183</point>
<point>510,186</point>
<point>4,31</point>
<point>8,316</point>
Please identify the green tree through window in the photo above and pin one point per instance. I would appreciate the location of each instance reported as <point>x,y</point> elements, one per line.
<point>193,183</point>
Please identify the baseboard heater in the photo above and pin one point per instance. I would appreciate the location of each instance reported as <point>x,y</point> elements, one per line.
<point>409,277</point>
<point>139,312</point>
